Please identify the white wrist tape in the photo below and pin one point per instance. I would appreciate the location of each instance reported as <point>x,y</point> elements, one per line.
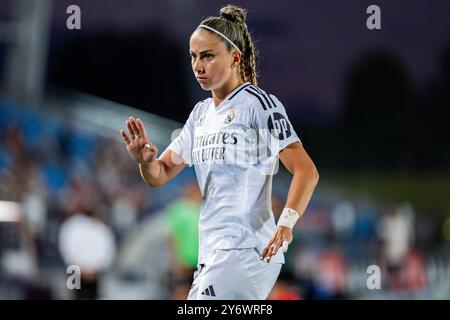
<point>288,218</point>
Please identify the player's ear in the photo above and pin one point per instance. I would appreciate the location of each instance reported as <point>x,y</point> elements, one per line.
<point>236,58</point>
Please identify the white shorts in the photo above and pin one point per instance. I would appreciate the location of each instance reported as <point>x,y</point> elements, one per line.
<point>234,274</point>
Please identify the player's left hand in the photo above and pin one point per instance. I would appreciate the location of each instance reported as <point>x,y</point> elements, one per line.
<point>281,234</point>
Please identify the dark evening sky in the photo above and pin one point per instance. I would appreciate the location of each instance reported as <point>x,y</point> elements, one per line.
<point>306,47</point>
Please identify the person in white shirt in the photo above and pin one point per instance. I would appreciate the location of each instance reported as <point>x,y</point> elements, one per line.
<point>234,140</point>
<point>87,242</point>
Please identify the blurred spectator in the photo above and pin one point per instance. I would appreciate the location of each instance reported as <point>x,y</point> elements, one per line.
<point>414,276</point>
<point>18,255</point>
<point>304,268</point>
<point>331,276</point>
<point>87,242</point>
<point>396,233</point>
<point>182,220</point>
<point>343,218</point>
<point>284,288</point>
<point>123,213</point>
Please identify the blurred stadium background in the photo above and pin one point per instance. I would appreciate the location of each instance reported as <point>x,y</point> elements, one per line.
<point>372,109</point>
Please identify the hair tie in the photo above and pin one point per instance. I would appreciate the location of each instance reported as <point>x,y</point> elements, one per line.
<point>228,16</point>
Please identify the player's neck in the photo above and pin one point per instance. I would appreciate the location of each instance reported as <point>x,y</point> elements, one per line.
<point>219,94</point>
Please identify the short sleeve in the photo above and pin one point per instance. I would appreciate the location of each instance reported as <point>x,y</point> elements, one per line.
<point>272,124</point>
<point>182,144</point>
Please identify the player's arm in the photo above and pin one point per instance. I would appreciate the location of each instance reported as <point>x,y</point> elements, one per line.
<point>304,180</point>
<point>304,176</point>
<point>164,169</point>
<point>155,171</point>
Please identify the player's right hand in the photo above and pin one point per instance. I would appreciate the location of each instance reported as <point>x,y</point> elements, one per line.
<point>138,145</point>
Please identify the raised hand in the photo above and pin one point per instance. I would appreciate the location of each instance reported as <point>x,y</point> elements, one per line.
<point>138,145</point>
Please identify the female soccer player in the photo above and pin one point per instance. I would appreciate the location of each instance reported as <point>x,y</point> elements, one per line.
<point>234,139</point>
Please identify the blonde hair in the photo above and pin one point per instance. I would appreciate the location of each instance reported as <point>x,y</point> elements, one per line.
<point>232,24</point>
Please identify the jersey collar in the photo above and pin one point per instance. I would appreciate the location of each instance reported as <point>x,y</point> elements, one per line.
<point>236,90</point>
<point>233,93</point>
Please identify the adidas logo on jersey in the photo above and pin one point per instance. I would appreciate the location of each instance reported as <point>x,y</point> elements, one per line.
<point>209,291</point>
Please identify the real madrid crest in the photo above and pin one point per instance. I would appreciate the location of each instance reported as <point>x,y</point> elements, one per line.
<point>230,116</point>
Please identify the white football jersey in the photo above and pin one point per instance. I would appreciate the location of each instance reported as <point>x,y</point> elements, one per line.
<point>234,148</point>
